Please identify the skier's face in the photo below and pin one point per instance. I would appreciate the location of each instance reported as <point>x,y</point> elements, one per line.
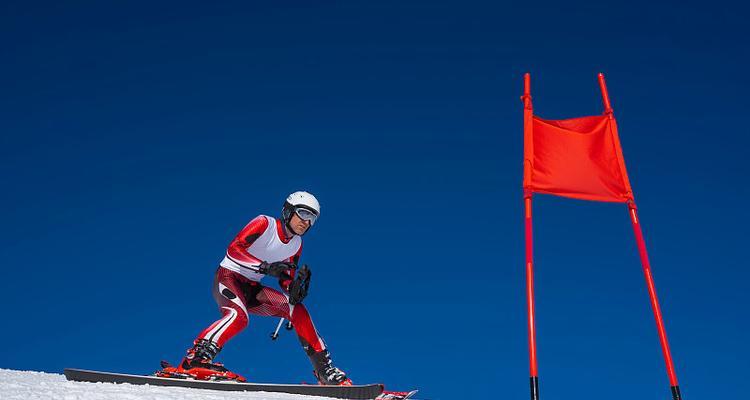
<point>299,225</point>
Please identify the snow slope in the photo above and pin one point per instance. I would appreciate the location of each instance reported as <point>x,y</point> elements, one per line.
<point>29,385</point>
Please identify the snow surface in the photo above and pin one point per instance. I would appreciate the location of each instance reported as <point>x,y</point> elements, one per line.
<point>30,385</point>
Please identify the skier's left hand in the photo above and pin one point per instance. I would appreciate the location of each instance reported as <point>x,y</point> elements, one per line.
<point>300,285</point>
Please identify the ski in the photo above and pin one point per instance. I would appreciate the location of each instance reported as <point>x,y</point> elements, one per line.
<point>354,392</point>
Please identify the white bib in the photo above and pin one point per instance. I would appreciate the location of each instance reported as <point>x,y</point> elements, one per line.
<point>267,247</point>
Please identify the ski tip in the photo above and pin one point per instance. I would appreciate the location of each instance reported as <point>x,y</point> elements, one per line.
<point>391,395</point>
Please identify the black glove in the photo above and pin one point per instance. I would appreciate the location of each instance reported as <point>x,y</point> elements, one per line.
<point>299,286</point>
<point>279,269</point>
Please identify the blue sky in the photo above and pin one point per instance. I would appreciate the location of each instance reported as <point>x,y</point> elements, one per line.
<point>137,138</point>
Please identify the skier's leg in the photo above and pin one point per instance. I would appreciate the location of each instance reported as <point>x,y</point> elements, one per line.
<point>229,290</point>
<point>274,303</point>
<point>305,329</point>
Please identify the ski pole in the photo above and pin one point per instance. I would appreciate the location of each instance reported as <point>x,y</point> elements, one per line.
<point>289,326</point>
<point>275,334</point>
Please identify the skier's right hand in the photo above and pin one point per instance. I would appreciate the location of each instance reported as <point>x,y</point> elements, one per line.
<point>279,269</point>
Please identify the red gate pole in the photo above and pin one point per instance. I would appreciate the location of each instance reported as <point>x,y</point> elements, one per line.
<point>633,211</point>
<point>654,301</point>
<point>533,373</point>
<point>528,151</point>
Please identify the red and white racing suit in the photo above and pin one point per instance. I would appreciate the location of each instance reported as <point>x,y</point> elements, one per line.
<point>239,293</point>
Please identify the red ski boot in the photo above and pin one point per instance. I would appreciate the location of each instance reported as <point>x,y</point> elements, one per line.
<point>198,364</point>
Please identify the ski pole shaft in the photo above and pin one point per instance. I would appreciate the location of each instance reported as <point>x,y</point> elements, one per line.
<point>275,334</point>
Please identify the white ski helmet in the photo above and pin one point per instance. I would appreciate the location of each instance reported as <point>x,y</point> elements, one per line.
<point>297,202</point>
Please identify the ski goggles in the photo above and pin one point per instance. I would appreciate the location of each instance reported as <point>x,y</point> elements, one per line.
<point>306,214</point>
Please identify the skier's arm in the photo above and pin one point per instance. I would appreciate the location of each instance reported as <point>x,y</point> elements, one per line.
<point>237,250</point>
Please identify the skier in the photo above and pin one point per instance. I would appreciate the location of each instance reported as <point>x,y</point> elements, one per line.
<point>265,247</point>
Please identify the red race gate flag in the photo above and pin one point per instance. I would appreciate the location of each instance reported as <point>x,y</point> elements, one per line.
<point>578,158</point>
